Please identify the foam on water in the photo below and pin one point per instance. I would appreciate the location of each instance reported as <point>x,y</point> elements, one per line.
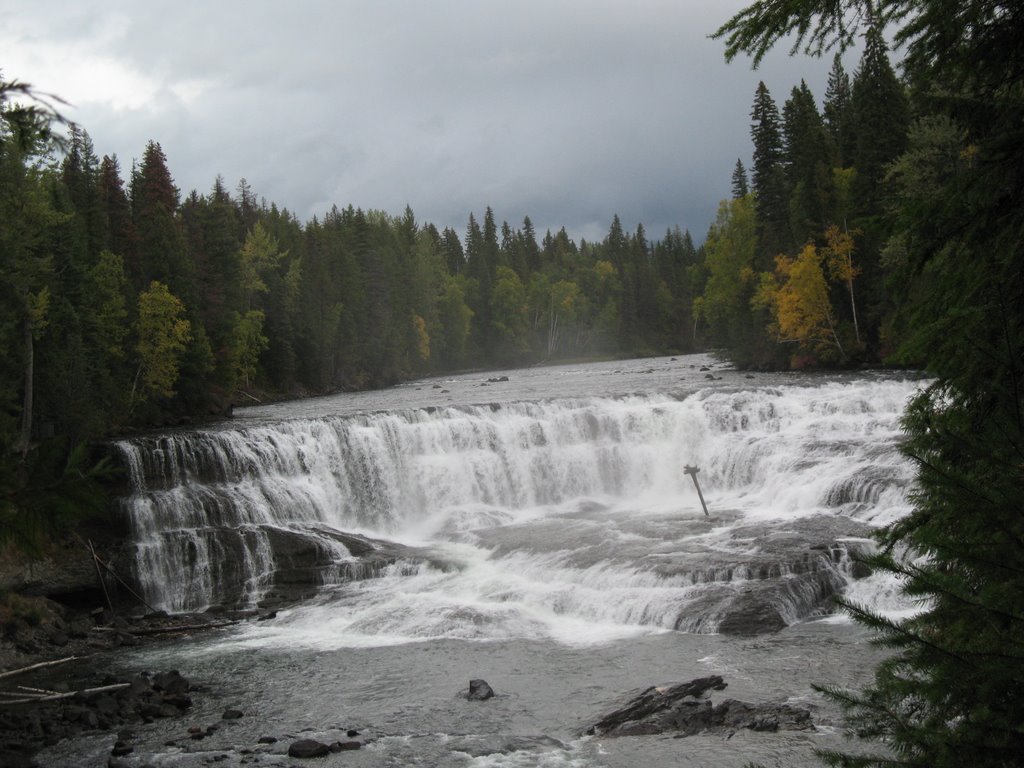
<point>556,518</point>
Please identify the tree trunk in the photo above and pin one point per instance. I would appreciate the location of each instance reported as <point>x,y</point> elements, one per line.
<point>25,438</point>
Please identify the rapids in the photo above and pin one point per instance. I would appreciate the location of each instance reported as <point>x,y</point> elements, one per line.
<point>539,533</point>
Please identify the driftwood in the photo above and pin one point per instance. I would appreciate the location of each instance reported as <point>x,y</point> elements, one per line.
<point>68,695</point>
<point>29,668</point>
<point>164,630</point>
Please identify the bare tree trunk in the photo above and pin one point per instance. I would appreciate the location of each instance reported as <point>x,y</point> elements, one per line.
<point>849,284</point>
<point>853,308</point>
<point>25,438</point>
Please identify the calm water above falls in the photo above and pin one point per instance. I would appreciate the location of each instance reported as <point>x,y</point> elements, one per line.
<point>553,546</point>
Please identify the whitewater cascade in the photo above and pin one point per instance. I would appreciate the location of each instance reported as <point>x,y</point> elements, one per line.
<point>586,493</point>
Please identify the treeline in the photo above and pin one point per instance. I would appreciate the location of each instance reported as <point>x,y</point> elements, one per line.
<point>799,260</point>
<point>124,304</point>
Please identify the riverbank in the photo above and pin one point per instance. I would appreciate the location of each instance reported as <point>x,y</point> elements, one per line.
<point>52,688</point>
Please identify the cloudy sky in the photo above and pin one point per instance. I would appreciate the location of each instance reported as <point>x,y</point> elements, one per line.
<point>568,112</point>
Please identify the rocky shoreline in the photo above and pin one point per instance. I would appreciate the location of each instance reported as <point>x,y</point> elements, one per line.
<point>50,689</point>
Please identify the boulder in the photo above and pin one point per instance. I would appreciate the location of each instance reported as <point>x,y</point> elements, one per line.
<point>304,748</point>
<point>683,709</point>
<point>479,690</point>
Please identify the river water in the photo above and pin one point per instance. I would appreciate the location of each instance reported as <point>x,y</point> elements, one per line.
<point>542,536</point>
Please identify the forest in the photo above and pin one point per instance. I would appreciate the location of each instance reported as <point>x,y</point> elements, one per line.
<point>127,304</point>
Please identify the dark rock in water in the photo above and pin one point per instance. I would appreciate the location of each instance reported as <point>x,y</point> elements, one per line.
<point>498,379</point>
<point>654,710</point>
<point>121,749</point>
<point>345,746</point>
<point>682,709</point>
<point>268,616</point>
<point>749,615</point>
<point>267,740</point>
<point>170,682</point>
<point>351,733</point>
<point>304,748</point>
<point>231,714</point>
<point>479,690</point>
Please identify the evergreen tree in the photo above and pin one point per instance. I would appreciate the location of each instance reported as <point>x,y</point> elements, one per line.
<point>879,116</point>
<point>768,177</point>
<point>161,246</point>
<point>807,165</point>
<point>837,113</point>
<point>119,232</point>
<point>740,187</point>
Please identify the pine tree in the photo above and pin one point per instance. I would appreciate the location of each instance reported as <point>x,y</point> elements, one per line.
<point>879,116</point>
<point>740,187</point>
<point>119,232</point>
<point>807,165</point>
<point>161,246</point>
<point>837,113</point>
<point>768,179</point>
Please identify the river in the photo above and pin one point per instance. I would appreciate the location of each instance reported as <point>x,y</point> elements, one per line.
<point>535,529</point>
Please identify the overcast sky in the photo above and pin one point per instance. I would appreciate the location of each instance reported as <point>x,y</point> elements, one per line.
<point>568,112</point>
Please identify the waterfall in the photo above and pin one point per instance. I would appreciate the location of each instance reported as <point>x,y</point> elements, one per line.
<point>223,514</point>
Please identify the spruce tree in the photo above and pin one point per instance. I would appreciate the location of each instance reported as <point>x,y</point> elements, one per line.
<point>837,113</point>
<point>879,116</point>
<point>740,187</point>
<point>119,232</point>
<point>807,165</point>
<point>768,179</point>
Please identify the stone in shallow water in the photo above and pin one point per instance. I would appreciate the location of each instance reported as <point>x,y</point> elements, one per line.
<point>304,748</point>
<point>682,709</point>
<point>479,690</point>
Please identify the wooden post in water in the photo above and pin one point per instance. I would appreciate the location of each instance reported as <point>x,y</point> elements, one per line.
<point>692,472</point>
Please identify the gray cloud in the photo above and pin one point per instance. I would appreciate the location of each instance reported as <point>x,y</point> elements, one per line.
<point>568,112</point>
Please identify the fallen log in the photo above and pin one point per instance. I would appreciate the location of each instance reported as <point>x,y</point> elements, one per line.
<point>68,695</point>
<point>40,665</point>
<point>165,630</point>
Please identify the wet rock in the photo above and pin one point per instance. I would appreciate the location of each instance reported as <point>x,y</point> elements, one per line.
<point>683,709</point>
<point>345,746</point>
<point>58,638</point>
<point>305,748</point>
<point>267,740</point>
<point>749,615</point>
<point>170,682</point>
<point>121,749</point>
<point>479,690</point>
<point>231,714</point>
<point>351,733</point>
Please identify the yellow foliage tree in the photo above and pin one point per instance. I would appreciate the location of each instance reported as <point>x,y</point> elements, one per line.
<point>163,333</point>
<point>839,256</point>
<point>422,338</point>
<point>797,296</point>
